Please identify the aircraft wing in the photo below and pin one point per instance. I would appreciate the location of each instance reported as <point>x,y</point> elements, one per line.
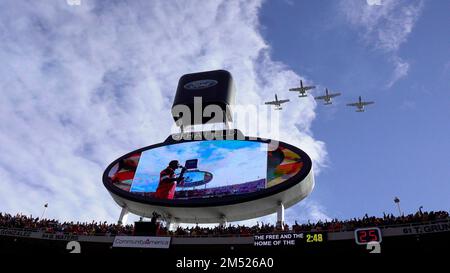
<point>334,95</point>
<point>295,89</point>
<point>353,104</point>
<point>282,101</point>
<point>367,102</point>
<point>271,103</point>
<point>320,97</point>
<point>309,87</point>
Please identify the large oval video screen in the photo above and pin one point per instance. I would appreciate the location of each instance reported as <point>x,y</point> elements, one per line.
<point>205,169</point>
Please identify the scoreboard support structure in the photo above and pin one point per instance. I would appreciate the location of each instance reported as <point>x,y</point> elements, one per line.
<point>123,216</point>
<point>280,215</point>
<point>223,221</point>
<point>172,223</point>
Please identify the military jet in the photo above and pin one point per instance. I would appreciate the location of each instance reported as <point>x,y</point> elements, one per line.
<point>277,103</point>
<point>360,104</point>
<point>302,89</point>
<point>327,97</point>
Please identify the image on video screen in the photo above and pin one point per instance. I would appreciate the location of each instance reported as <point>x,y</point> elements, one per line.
<point>205,169</point>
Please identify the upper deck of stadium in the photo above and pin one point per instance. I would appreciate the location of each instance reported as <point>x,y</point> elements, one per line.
<point>419,232</point>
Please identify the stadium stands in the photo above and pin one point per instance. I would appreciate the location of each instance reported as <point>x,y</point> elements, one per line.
<point>419,233</point>
<point>54,226</point>
<point>223,190</point>
<point>103,228</point>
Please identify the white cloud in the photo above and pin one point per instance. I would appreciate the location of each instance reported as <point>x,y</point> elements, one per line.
<point>385,27</point>
<point>373,2</point>
<point>82,85</point>
<point>401,69</point>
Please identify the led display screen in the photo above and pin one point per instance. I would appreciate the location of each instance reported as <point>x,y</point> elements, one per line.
<point>205,169</point>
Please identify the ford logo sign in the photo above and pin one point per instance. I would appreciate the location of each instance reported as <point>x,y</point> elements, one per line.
<point>200,84</point>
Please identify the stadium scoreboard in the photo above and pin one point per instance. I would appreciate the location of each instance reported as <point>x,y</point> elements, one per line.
<point>365,236</point>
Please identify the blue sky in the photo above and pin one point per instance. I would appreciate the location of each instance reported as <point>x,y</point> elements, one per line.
<point>221,158</point>
<point>399,146</point>
<point>83,85</point>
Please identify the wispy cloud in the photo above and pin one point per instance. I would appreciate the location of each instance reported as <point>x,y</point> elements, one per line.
<point>401,69</point>
<point>385,26</point>
<point>373,2</point>
<point>407,105</point>
<point>82,85</point>
<point>446,67</point>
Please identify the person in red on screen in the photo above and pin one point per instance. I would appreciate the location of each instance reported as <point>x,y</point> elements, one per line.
<point>168,180</point>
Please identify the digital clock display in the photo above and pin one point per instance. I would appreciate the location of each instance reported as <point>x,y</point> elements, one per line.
<point>314,237</point>
<point>364,236</point>
<point>289,239</point>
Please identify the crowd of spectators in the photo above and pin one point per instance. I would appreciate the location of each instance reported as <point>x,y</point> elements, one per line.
<point>334,225</point>
<point>54,226</point>
<point>103,228</point>
<point>367,221</point>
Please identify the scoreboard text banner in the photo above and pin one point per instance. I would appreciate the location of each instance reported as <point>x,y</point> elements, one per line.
<point>289,239</point>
